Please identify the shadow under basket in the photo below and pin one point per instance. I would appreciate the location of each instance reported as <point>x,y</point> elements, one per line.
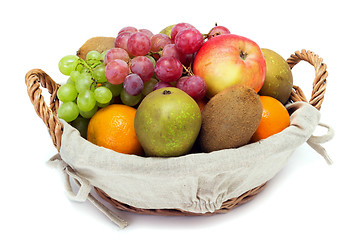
<point>36,78</point>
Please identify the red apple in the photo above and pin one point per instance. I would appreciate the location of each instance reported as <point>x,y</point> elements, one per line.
<point>227,60</point>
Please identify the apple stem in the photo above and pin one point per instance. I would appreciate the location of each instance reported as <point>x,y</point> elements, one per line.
<point>243,55</point>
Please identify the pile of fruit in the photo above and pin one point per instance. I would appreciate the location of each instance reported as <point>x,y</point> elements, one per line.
<point>175,92</point>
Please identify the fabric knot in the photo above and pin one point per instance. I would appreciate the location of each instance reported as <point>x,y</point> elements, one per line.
<point>85,187</point>
<point>315,141</point>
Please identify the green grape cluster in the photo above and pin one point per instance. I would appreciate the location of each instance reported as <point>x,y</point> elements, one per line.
<point>87,88</point>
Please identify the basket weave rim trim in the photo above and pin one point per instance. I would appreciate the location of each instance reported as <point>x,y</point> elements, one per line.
<point>225,207</point>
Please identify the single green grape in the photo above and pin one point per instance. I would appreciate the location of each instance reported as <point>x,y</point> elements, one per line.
<point>81,124</point>
<point>68,111</point>
<point>100,105</point>
<point>93,55</point>
<point>99,74</point>
<point>90,113</point>
<point>80,68</point>
<point>74,75</point>
<point>102,55</point>
<point>103,95</point>
<point>70,81</point>
<point>67,93</point>
<point>130,100</point>
<point>86,100</point>
<point>68,64</point>
<point>149,86</point>
<point>83,82</point>
<point>114,88</point>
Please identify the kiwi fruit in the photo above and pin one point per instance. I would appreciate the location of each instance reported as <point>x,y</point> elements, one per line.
<point>99,44</point>
<point>230,118</point>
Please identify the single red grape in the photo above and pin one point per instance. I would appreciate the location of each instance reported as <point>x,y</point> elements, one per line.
<point>159,41</point>
<point>162,85</point>
<point>193,85</point>
<point>116,71</point>
<point>133,84</point>
<point>189,41</point>
<point>128,29</point>
<point>143,67</point>
<point>179,27</point>
<point>146,32</point>
<point>116,53</point>
<point>171,51</point>
<point>218,30</point>
<point>122,39</point>
<point>168,69</point>
<point>138,44</point>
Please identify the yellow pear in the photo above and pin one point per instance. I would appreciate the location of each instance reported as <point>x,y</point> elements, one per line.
<point>167,30</point>
<point>278,80</point>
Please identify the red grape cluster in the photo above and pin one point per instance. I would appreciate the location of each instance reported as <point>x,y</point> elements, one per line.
<point>140,63</point>
<point>143,61</point>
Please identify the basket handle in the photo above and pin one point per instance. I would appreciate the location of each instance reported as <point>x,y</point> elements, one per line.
<point>319,83</point>
<point>33,80</point>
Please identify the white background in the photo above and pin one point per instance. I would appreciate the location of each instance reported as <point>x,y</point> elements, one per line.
<point>307,200</point>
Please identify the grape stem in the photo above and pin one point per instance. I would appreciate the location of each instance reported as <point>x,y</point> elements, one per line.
<point>95,83</point>
<point>188,70</point>
<point>94,65</point>
<point>207,35</point>
<point>89,68</point>
<point>83,62</point>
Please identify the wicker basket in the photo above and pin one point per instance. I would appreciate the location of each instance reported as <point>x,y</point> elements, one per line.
<point>37,78</point>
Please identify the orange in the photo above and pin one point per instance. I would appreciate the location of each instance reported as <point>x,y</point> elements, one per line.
<point>113,127</point>
<point>275,118</point>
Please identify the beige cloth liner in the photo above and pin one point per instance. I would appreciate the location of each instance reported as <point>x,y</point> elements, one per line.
<point>197,183</point>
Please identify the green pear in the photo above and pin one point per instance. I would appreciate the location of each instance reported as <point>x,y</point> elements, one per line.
<point>167,122</point>
<point>278,80</point>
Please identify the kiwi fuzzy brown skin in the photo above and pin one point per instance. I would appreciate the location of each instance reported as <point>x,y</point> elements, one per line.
<point>99,44</point>
<point>230,119</point>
